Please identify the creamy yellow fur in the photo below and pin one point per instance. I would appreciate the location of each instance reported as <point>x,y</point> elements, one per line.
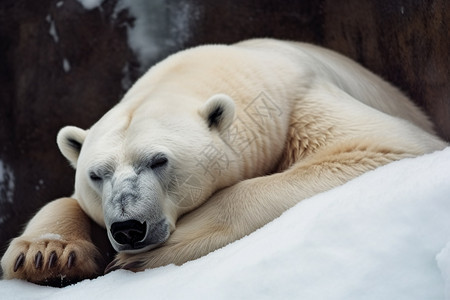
<point>332,121</point>
<point>60,227</point>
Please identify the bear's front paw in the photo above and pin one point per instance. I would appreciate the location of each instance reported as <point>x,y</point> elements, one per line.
<point>51,260</point>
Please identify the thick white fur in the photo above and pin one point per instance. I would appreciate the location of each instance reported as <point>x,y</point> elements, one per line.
<point>305,119</point>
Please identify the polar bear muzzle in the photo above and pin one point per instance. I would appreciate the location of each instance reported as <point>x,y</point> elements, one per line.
<point>133,206</point>
<point>134,236</point>
<point>129,232</point>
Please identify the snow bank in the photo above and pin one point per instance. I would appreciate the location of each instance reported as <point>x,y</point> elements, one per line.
<point>384,235</point>
<point>443,260</point>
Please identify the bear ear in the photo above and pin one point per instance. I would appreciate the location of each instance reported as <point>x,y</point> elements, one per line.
<point>70,139</point>
<point>218,112</point>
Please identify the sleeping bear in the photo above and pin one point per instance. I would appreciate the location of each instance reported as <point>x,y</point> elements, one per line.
<point>209,145</point>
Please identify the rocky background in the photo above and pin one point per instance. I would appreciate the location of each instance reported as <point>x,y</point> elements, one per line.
<point>62,64</point>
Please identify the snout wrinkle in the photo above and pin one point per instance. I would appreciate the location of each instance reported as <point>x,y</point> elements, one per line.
<point>122,201</point>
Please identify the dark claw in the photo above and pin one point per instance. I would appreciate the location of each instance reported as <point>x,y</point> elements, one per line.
<point>112,267</point>
<point>19,262</point>
<point>52,260</point>
<point>71,260</point>
<point>38,260</point>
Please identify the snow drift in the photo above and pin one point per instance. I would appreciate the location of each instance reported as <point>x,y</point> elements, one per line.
<point>384,235</point>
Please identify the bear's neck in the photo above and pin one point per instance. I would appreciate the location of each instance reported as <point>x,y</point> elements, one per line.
<point>256,139</point>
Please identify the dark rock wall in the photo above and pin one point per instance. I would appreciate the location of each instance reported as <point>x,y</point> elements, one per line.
<point>407,42</point>
<point>38,97</point>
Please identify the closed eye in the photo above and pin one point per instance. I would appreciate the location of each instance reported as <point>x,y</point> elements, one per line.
<point>94,177</point>
<point>159,162</point>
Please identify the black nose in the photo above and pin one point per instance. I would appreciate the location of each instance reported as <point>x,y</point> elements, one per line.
<point>129,232</point>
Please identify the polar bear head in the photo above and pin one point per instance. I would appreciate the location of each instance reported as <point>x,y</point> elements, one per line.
<point>144,163</point>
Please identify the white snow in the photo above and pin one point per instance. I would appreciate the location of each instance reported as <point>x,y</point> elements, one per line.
<point>443,260</point>
<point>50,236</point>
<point>52,31</point>
<point>159,28</point>
<point>90,4</point>
<point>6,183</point>
<point>66,65</point>
<point>384,235</point>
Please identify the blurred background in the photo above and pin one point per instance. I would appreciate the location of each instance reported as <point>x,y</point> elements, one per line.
<point>67,62</point>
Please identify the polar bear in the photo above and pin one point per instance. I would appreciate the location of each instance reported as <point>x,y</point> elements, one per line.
<point>208,146</point>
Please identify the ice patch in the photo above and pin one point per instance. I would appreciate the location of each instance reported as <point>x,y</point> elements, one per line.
<point>90,4</point>
<point>52,30</point>
<point>159,28</point>
<point>6,183</point>
<point>66,65</point>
